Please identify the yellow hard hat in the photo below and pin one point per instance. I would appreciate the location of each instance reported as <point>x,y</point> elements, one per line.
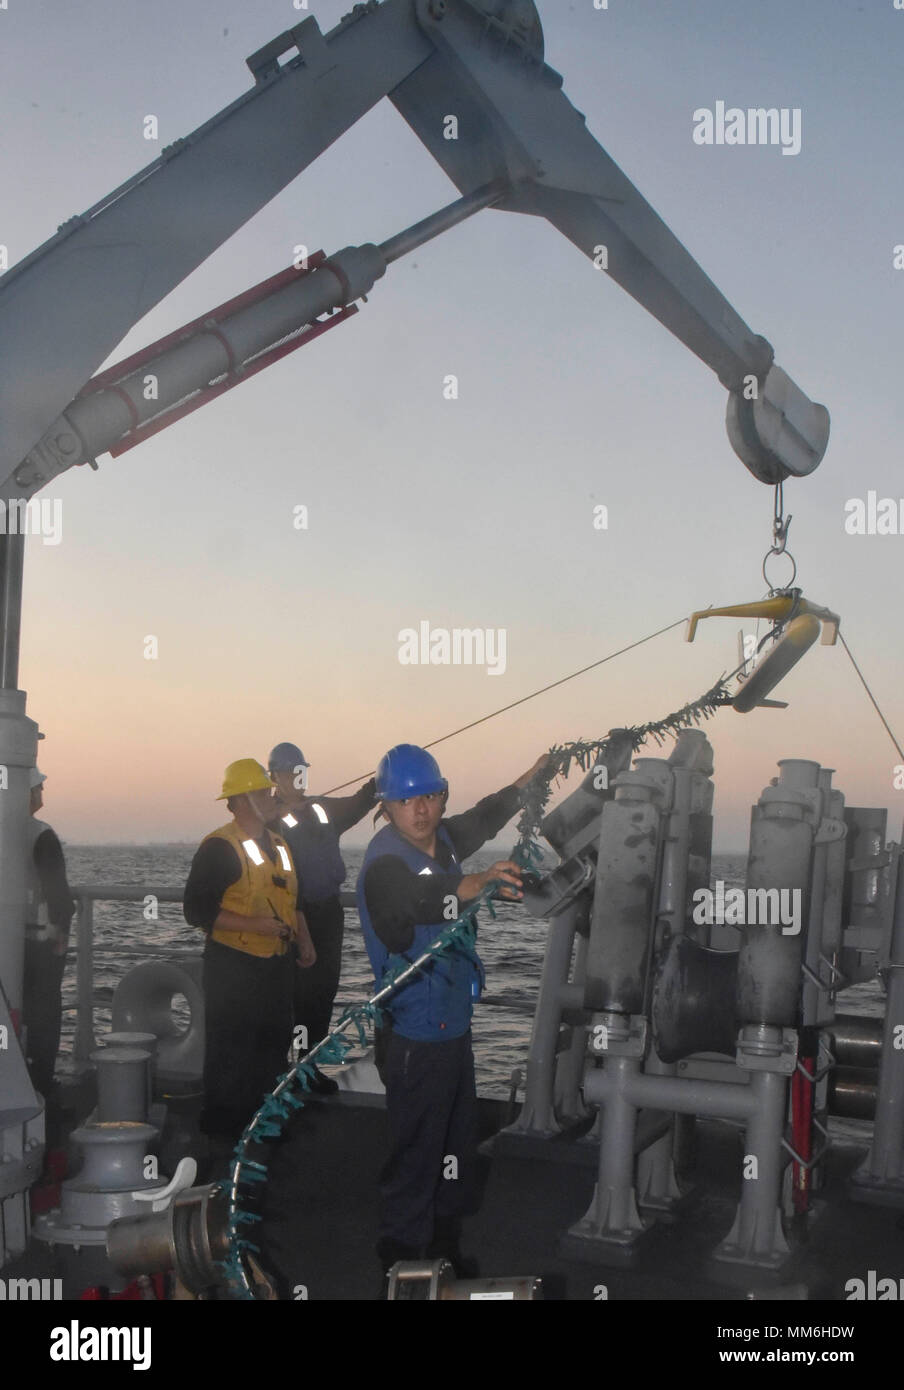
<point>245,775</point>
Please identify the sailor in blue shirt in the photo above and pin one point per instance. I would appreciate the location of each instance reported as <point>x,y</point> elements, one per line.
<point>410,879</point>
<point>312,826</point>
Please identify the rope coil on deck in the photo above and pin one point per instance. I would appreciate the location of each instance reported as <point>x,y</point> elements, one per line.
<point>283,1102</point>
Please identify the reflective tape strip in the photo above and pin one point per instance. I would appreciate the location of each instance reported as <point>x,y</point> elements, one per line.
<point>424,871</point>
<point>289,820</point>
<point>320,813</point>
<point>284,858</point>
<point>252,852</point>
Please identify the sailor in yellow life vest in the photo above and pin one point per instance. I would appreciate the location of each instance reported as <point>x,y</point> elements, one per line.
<point>243,892</point>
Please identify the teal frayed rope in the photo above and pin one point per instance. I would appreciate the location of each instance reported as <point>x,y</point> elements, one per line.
<point>248,1175</point>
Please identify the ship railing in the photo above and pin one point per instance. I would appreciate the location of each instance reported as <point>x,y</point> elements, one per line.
<point>87,894</point>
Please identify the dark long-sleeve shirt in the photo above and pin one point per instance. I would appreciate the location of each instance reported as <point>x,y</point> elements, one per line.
<point>315,845</point>
<point>51,869</point>
<point>215,867</point>
<point>399,899</point>
<point>346,811</point>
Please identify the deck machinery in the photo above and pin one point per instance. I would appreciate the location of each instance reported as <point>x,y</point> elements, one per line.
<point>664,996</point>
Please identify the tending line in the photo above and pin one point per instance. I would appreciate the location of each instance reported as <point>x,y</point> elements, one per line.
<point>524,699</point>
<point>872,697</point>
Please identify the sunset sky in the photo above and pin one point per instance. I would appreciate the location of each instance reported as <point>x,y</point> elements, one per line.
<point>476,512</point>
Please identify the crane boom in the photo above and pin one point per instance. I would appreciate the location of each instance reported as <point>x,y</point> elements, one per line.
<point>482,60</point>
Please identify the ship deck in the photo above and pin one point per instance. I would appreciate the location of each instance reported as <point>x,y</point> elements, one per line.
<point>322,1207</point>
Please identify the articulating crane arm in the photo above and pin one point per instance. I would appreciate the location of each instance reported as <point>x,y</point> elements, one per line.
<point>64,308</point>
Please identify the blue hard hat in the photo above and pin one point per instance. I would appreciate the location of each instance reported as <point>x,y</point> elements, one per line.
<point>285,757</point>
<point>407,771</point>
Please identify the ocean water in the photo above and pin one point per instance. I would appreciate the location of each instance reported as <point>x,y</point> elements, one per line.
<point>511,946</point>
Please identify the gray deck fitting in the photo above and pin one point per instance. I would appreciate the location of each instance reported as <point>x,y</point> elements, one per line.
<point>880,1181</point>
<point>600,1250</point>
<point>538,1119</point>
<point>870,1191</point>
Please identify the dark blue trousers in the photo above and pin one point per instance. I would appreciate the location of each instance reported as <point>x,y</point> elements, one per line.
<point>247,1028</point>
<point>42,1010</point>
<point>315,989</point>
<point>431,1101</point>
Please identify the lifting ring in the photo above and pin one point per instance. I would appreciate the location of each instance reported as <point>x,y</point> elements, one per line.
<point>775,550</point>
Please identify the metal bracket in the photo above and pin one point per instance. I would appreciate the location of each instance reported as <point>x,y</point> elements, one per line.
<point>816,1076</point>
<point>619,1044</point>
<point>306,37</point>
<point>428,1276</point>
<point>839,980</point>
<point>830,986</point>
<point>761,1056</point>
<point>820,1154</point>
<point>181,1181</point>
<point>830,832</point>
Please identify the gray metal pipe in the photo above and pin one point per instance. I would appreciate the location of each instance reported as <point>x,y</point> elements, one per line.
<point>616,1162</point>
<point>852,1093</point>
<point>84,953</point>
<point>757,1232</point>
<point>12,560</point>
<point>687,831</point>
<point>815,1008</point>
<point>857,1040</point>
<point>537,1113</point>
<point>837,851</point>
<point>781,842</point>
<point>413,237</point>
<point>622,917</point>
<point>97,421</point>
<point>684,1095</point>
<point>102,418</point>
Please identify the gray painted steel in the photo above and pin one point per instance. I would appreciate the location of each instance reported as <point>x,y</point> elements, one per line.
<point>96,422</point>
<point>623,897</point>
<point>781,842</point>
<point>21,1140</point>
<point>882,1176</point>
<point>538,1113</point>
<point>105,1186</point>
<point>123,1084</point>
<point>105,269</point>
<point>143,1002</point>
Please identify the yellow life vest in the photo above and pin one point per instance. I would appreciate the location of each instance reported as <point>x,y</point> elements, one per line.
<point>266,888</point>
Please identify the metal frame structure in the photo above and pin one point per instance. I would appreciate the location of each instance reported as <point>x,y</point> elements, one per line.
<point>649,991</point>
